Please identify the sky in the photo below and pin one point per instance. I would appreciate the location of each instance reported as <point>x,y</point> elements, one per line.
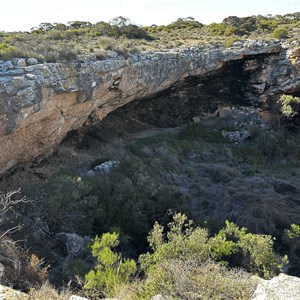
<point>22,15</point>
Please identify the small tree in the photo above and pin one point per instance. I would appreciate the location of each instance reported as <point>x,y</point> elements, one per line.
<point>79,24</point>
<point>111,271</point>
<point>60,26</point>
<point>46,27</point>
<point>120,21</point>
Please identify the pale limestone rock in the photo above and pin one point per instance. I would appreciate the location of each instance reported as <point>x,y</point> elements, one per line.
<point>196,119</point>
<point>282,287</point>
<point>160,297</point>
<point>74,244</point>
<point>7,293</point>
<point>41,103</point>
<point>106,167</point>
<point>32,61</point>
<point>74,297</point>
<point>21,63</point>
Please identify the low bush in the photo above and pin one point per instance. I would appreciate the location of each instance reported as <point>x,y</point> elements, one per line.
<point>230,41</point>
<point>183,279</point>
<point>8,51</point>
<point>280,33</point>
<point>186,263</point>
<point>253,252</point>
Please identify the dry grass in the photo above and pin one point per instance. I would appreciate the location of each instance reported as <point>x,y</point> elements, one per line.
<point>47,292</point>
<point>191,280</point>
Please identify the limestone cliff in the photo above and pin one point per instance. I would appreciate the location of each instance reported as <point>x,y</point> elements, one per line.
<point>41,103</point>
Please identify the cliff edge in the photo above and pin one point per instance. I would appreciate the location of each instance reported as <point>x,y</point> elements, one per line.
<point>41,103</point>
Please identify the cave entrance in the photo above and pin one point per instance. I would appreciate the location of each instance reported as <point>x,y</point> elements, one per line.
<point>187,98</point>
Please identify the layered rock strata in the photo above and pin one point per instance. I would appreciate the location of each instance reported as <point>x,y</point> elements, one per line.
<point>41,103</point>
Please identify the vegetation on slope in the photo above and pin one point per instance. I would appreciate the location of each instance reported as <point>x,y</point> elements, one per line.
<point>186,263</point>
<point>197,171</point>
<point>64,42</point>
<point>194,170</point>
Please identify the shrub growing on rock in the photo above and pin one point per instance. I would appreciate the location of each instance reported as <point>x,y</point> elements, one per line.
<point>290,108</point>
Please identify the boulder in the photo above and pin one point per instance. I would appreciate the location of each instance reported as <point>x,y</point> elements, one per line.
<point>106,167</point>
<point>7,65</point>
<point>73,243</point>
<point>294,53</point>
<point>32,61</point>
<point>21,63</point>
<point>282,287</point>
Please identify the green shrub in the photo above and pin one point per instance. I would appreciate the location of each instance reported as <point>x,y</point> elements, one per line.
<point>229,42</point>
<point>184,262</point>
<point>66,201</point>
<point>75,267</point>
<point>111,271</point>
<point>294,232</point>
<point>270,148</point>
<point>290,108</point>
<point>8,51</point>
<point>253,252</point>
<point>180,242</point>
<point>4,48</point>
<point>280,33</point>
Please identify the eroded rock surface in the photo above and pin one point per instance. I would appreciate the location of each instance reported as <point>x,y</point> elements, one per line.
<point>7,293</point>
<point>282,287</point>
<point>41,103</point>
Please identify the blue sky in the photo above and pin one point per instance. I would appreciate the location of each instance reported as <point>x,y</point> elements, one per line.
<point>25,14</point>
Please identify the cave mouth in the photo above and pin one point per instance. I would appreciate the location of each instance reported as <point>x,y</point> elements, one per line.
<point>190,97</point>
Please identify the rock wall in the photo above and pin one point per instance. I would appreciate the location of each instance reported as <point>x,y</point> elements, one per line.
<point>41,103</point>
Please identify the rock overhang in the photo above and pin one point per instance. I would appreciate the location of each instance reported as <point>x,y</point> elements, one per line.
<point>41,103</point>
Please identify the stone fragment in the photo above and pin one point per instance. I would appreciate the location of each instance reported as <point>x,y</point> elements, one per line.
<point>106,166</point>
<point>74,297</point>
<point>196,119</point>
<point>32,61</point>
<point>7,65</point>
<point>74,244</point>
<point>21,63</point>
